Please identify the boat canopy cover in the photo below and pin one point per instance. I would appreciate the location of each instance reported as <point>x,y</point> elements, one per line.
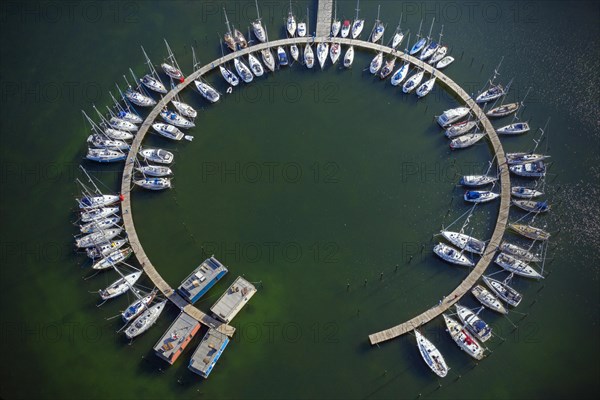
<point>473,195</point>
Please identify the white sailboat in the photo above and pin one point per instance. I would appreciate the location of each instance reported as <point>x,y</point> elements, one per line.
<point>100,224</point>
<point>451,255</point>
<point>101,236</point>
<point>412,82</point>
<point>257,27</point>
<point>322,49</point>
<point>460,128</point>
<point>349,57</point>
<point>431,355</point>
<point>125,112</point>
<point>516,266</point>
<point>463,339</point>
<point>378,28</point>
<point>105,248</point>
<point>243,70</point>
<point>426,87</point>
<point>477,180</point>
<point>523,192</point>
<point>504,291</point>
<point>138,96</point>
<point>420,43</point>
<point>480,196</point>
<point>467,140</point>
<point>153,183</point>
<point>444,62</point>
<point>345,30</point>
<point>138,306</point>
<point>91,202</point>
<point>464,242</point>
<point>105,155</point>
<point>255,65</point>
<point>145,320</point>
<point>334,52</point>
<point>488,299</point>
<point>358,24</point>
<point>152,80</point>
<point>336,24</point>
<point>171,67</point>
<point>171,117</point>
<point>154,170</point>
<point>440,52</point>
<point>398,35</point>
<point>291,22</point>
<point>282,56</point>
<point>113,259</point>
<point>309,56</point>
<point>97,214</point>
<point>430,47</point>
<point>120,286</point>
<point>376,63</point>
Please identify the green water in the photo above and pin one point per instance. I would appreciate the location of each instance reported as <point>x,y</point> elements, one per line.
<point>305,181</point>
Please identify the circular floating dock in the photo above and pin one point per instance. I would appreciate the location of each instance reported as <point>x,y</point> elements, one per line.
<point>450,85</point>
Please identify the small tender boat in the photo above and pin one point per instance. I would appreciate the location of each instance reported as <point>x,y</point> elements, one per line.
<point>120,286</point>
<point>514,129</point>
<point>439,54</point>
<point>100,224</point>
<point>494,92</point>
<point>452,115</point>
<point>135,308</point>
<point>532,206</point>
<point>523,192</point>
<point>157,155</point>
<point>282,56</point>
<point>529,170</point>
<point>345,28</point>
<point>322,49</point>
<point>400,74</point>
<point>229,76</point>
<point>463,338</point>
<point>464,242</point>
<point>502,290</point>
<point>105,155</point>
<point>412,82</point>
<point>451,255</point>
<point>522,158</point>
<point>255,65</point>
<point>444,62</point>
<point>114,258</point>
<point>518,252</point>
<point>173,118</point>
<point>486,298</point>
<point>480,196</point>
<point>168,131</point>
<point>431,355</point>
<point>460,128</point>
<point>466,140</point>
<point>477,180</point>
<point>302,29</point>
<point>473,323</point>
<point>155,170</point>
<point>154,183</point>
<point>118,134</point>
<point>503,110</point>
<point>243,70</point>
<point>334,52</point>
<point>268,59</point>
<point>517,266</point>
<point>146,319</point>
<point>295,52</point>
<point>139,99</point>
<point>387,69</point>
<point>97,201</point>
<point>426,87</point>
<point>98,214</point>
<point>105,248</point>
<point>208,92</point>
<point>97,237</point>
<point>102,142</point>
<point>349,57</point>
<point>309,56</point>
<point>530,232</point>
<point>376,63</point>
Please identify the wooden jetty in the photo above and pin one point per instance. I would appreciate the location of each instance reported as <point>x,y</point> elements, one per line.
<point>323,31</point>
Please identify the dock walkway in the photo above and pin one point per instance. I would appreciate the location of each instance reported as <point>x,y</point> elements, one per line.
<point>452,86</point>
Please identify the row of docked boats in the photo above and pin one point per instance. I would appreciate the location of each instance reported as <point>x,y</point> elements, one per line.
<point>100,230</point>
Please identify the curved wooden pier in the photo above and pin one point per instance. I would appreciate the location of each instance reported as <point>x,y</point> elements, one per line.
<point>374,338</point>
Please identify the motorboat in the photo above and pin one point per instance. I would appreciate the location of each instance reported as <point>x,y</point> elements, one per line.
<point>168,131</point>
<point>473,323</point>
<point>529,170</point>
<point>345,30</point>
<point>301,29</point>
<point>452,115</point>
<point>444,62</point>
<point>295,52</point>
<point>157,155</point>
<point>282,56</point>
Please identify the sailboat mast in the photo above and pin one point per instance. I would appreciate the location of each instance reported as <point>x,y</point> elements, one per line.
<point>357,9</point>
<point>419,33</point>
<point>430,30</point>
<point>441,35</point>
<point>257,11</point>
<point>227,21</point>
